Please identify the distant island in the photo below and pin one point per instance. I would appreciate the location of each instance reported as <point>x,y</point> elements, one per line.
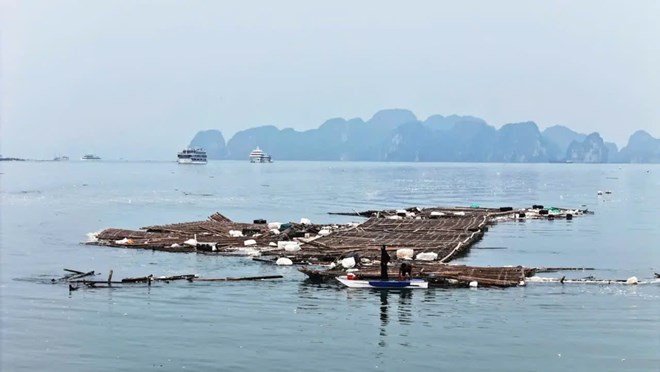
<point>397,135</point>
<point>10,159</point>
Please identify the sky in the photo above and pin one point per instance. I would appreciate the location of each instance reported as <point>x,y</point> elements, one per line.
<point>137,79</point>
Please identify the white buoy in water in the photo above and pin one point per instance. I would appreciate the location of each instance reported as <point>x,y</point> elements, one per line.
<point>405,253</point>
<point>192,242</point>
<point>274,225</point>
<point>292,247</point>
<point>474,284</point>
<point>600,192</point>
<point>427,256</point>
<point>235,233</point>
<point>283,261</point>
<point>632,280</point>
<point>348,262</point>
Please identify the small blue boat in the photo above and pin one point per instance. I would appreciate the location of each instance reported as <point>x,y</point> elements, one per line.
<point>356,283</point>
<point>389,283</point>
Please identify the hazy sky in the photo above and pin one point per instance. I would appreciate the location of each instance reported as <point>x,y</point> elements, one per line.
<point>137,79</point>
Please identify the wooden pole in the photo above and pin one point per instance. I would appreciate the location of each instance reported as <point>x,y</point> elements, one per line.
<point>78,276</point>
<point>110,278</point>
<point>235,279</point>
<point>74,271</point>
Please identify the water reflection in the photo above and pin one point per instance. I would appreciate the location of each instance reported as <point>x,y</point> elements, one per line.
<point>404,310</point>
<point>383,312</point>
<point>405,307</point>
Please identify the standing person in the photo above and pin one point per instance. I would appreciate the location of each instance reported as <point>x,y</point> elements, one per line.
<point>384,260</point>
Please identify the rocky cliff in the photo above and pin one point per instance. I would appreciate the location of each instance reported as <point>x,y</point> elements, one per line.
<point>398,135</point>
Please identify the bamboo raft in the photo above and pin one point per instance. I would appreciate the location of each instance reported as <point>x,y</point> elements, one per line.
<point>446,233</point>
<point>438,275</point>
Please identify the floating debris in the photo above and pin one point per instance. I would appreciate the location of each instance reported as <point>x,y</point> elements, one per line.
<point>76,279</point>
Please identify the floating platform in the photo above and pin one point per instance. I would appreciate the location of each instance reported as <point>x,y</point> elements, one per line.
<point>429,238</point>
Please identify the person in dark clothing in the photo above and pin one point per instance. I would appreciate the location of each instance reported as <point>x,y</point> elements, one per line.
<point>405,271</point>
<point>384,260</point>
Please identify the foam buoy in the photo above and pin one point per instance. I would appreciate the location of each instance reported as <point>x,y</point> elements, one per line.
<point>474,284</point>
<point>274,225</point>
<point>632,280</point>
<point>235,233</point>
<point>427,256</point>
<point>191,242</point>
<point>283,261</point>
<point>292,247</point>
<point>348,262</point>
<point>405,253</point>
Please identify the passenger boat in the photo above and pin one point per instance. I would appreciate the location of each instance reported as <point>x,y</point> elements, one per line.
<point>405,284</point>
<point>90,157</point>
<point>192,156</point>
<point>61,158</point>
<point>259,156</point>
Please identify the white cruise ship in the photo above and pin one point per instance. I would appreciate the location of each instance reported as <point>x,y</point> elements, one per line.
<point>259,156</point>
<point>192,156</point>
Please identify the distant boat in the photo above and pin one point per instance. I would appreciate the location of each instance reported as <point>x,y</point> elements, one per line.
<point>259,156</point>
<point>192,156</point>
<point>90,157</point>
<point>61,158</point>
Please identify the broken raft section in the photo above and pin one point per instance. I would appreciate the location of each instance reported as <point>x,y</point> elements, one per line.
<point>429,237</point>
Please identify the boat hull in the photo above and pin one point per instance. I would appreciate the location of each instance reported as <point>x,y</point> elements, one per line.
<point>384,284</point>
<point>190,161</point>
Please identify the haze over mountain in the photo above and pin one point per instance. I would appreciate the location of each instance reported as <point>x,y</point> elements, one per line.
<point>398,135</point>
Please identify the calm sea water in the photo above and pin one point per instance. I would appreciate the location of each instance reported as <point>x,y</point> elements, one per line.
<point>47,208</point>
